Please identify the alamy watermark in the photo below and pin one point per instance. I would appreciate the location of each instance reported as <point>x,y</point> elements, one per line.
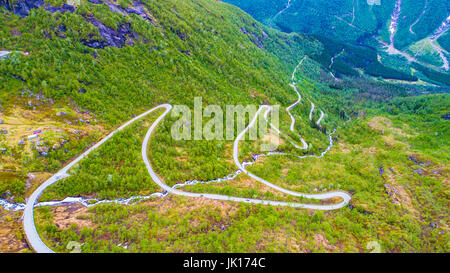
<point>212,122</point>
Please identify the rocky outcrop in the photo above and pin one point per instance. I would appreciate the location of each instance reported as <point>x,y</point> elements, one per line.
<point>255,39</point>
<point>63,9</point>
<point>392,193</point>
<point>113,38</point>
<point>24,7</point>
<point>137,9</point>
<point>360,210</point>
<point>417,161</point>
<point>21,7</point>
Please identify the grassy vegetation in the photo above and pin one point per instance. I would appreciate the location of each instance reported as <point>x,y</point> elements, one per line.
<point>413,218</point>
<point>115,170</point>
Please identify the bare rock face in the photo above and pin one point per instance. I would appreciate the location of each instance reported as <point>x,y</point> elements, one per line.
<point>63,9</point>
<point>392,192</point>
<point>22,7</point>
<point>113,38</point>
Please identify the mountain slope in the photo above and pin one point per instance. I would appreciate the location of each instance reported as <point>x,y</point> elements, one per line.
<point>75,72</point>
<point>401,32</point>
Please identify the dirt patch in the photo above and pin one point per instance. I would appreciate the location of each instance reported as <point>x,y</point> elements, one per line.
<point>228,155</point>
<point>284,239</point>
<point>343,148</point>
<point>273,138</point>
<point>65,216</point>
<point>383,124</point>
<point>320,240</point>
<point>171,205</point>
<point>11,235</point>
<point>35,180</point>
<point>371,150</point>
<point>399,196</point>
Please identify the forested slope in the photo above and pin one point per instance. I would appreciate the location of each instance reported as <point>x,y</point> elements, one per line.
<point>382,40</point>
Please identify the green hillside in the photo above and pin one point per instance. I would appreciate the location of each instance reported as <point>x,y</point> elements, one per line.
<point>391,35</point>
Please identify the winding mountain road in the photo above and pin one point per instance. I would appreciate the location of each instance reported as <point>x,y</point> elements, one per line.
<point>4,54</point>
<point>322,114</point>
<point>283,10</point>
<point>28,216</point>
<point>38,245</point>
<point>345,196</point>
<point>288,110</point>
<point>425,8</point>
<point>312,110</point>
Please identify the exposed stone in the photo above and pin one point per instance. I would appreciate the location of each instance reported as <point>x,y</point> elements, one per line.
<point>418,162</point>
<point>95,43</point>
<point>434,225</point>
<point>138,9</point>
<point>243,30</point>
<point>61,30</point>
<point>59,114</point>
<point>63,9</point>
<point>446,116</point>
<point>392,192</point>
<point>130,42</point>
<point>257,41</point>
<point>264,35</point>
<point>15,32</point>
<point>16,77</point>
<point>113,38</point>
